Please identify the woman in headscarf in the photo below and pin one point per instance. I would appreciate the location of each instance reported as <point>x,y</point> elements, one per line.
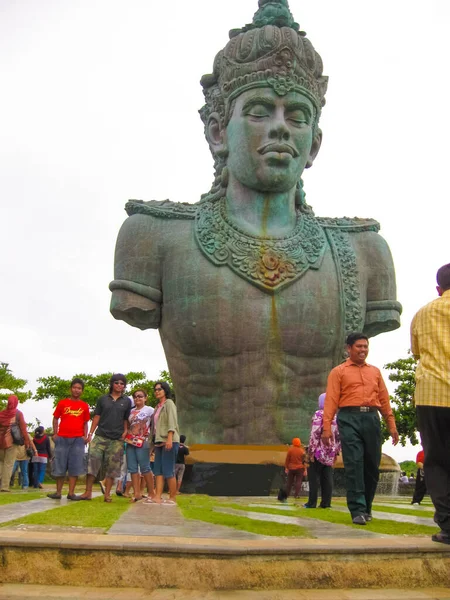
<point>40,460</point>
<point>8,448</point>
<point>295,467</point>
<point>321,459</point>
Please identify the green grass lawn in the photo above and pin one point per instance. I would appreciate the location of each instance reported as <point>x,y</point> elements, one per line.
<point>20,496</point>
<point>95,513</point>
<point>331,516</point>
<point>201,508</point>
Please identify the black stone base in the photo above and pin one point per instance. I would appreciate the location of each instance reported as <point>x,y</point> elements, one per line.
<point>224,479</point>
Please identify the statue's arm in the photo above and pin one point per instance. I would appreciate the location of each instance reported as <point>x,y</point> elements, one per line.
<point>136,288</point>
<point>382,308</point>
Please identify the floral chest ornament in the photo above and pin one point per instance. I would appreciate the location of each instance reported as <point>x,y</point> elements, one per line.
<point>268,263</point>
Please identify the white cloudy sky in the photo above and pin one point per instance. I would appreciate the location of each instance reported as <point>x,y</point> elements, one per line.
<point>99,104</point>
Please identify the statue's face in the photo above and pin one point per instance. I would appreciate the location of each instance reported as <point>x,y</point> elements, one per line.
<point>269,139</point>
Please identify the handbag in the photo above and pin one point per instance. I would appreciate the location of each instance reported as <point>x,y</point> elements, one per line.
<point>134,440</point>
<point>16,433</point>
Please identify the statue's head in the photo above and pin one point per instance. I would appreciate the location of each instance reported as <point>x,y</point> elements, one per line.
<point>268,70</point>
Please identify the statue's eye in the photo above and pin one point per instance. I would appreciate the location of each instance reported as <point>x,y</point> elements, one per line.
<point>257,110</point>
<point>298,117</point>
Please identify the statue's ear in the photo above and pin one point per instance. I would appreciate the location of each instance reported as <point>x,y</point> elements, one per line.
<point>215,134</point>
<point>315,147</point>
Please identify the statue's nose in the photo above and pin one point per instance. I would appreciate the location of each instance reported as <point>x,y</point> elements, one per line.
<point>279,129</point>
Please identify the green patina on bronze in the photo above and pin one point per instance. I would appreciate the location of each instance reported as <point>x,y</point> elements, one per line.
<point>253,294</point>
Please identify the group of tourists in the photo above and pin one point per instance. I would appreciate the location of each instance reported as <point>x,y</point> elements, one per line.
<point>127,435</point>
<point>347,420</point>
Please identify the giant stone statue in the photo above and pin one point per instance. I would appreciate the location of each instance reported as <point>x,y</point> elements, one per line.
<point>253,295</point>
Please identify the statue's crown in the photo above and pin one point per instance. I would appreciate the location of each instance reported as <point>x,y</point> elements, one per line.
<point>270,51</point>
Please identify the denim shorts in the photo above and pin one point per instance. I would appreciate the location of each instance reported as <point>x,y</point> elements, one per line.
<point>69,457</point>
<point>165,460</point>
<point>138,457</point>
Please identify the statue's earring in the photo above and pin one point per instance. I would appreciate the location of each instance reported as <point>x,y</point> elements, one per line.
<point>300,198</point>
<point>224,177</point>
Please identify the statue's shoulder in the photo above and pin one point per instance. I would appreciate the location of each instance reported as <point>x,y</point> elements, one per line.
<point>350,225</point>
<point>161,209</point>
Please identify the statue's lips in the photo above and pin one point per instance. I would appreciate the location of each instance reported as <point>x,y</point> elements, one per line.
<point>278,149</point>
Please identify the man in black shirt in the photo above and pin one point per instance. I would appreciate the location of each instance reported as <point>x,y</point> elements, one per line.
<point>183,451</point>
<point>106,449</point>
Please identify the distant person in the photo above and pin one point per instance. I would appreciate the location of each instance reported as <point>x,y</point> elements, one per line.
<point>430,343</point>
<point>421,487</point>
<point>166,441</point>
<point>357,391</point>
<point>110,425</point>
<point>70,427</point>
<point>137,445</point>
<point>294,467</point>
<point>11,416</point>
<point>180,466</point>
<point>404,477</point>
<point>21,465</point>
<point>43,454</point>
<point>321,458</point>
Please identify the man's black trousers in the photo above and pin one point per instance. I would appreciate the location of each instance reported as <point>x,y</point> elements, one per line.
<point>434,427</point>
<point>360,434</point>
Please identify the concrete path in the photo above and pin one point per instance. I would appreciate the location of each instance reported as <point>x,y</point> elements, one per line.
<point>398,518</point>
<point>167,521</point>
<point>30,592</point>
<point>16,510</point>
<point>318,528</point>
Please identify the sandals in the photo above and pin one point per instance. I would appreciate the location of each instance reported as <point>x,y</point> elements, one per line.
<point>107,499</point>
<point>136,499</point>
<point>169,503</point>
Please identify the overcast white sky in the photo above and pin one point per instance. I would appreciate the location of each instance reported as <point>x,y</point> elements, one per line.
<point>99,104</point>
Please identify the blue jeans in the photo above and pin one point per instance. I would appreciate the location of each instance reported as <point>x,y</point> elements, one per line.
<point>165,461</point>
<point>138,457</point>
<point>39,473</point>
<point>23,465</point>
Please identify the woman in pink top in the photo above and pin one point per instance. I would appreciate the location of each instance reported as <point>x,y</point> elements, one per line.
<point>8,449</point>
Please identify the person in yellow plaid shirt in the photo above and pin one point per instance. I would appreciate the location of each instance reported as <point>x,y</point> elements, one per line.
<point>430,343</point>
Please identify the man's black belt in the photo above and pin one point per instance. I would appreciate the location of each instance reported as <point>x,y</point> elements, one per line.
<point>358,409</point>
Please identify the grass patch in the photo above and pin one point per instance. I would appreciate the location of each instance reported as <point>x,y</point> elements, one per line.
<point>95,513</point>
<point>340,518</point>
<point>20,496</point>
<point>201,508</point>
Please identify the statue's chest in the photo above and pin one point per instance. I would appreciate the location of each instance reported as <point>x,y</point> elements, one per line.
<point>215,311</point>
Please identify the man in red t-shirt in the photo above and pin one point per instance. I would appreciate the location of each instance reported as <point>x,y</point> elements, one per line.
<point>421,488</point>
<point>70,438</point>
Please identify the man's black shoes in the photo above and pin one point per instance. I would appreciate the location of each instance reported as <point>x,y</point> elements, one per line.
<point>443,537</point>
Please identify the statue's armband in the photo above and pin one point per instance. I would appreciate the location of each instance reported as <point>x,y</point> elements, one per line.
<point>134,307</point>
<point>136,294</point>
<point>382,308</point>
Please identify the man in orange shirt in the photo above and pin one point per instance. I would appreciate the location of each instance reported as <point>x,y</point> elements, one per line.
<point>357,391</point>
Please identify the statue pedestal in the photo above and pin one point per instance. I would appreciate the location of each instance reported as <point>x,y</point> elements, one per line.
<point>224,470</point>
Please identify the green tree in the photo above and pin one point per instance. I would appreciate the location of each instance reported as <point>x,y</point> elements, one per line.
<point>403,372</point>
<point>11,385</point>
<point>409,466</point>
<point>57,388</point>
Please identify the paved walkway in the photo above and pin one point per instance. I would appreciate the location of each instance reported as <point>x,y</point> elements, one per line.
<point>30,592</point>
<point>397,517</point>
<point>16,510</point>
<point>165,520</point>
<point>318,528</point>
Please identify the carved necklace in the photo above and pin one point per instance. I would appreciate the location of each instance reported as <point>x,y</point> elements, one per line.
<point>268,263</point>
